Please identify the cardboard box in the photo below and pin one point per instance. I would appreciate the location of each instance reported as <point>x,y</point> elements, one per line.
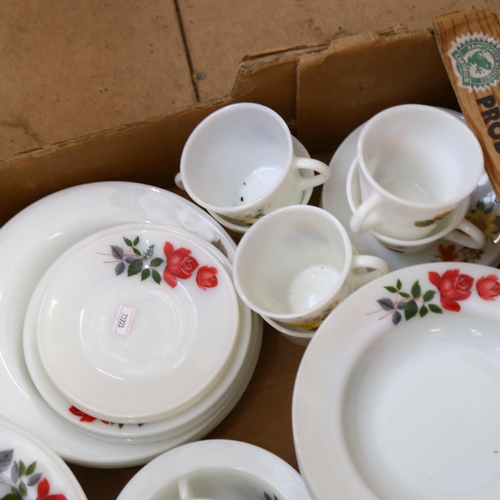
<point>323,93</point>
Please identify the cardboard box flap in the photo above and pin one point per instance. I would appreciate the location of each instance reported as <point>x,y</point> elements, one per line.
<point>357,77</point>
<point>328,92</point>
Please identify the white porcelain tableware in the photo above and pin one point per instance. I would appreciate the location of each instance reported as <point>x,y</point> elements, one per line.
<point>241,227</point>
<point>29,469</point>
<point>297,337</point>
<point>484,212</point>
<point>207,408</point>
<point>397,394</point>
<point>239,163</point>
<point>454,227</point>
<point>297,263</point>
<point>46,229</point>
<point>140,337</point>
<point>220,469</point>
<point>185,490</point>
<point>416,164</point>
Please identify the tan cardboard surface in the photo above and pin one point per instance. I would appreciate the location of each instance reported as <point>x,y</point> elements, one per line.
<point>70,69</point>
<point>221,33</point>
<point>150,153</point>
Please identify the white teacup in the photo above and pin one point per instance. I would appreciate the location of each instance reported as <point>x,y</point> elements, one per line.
<point>296,264</point>
<point>239,163</point>
<point>454,227</point>
<point>416,164</point>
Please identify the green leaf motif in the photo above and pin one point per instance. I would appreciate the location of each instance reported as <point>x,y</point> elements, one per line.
<point>137,252</point>
<point>136,241</point>
<point>416,291</point>
<point>156,276</point>
<point>135,267</point>
<point>435,309</point>
<point>391,289</point>
<point>145,274</point>
<point>399,285</point>
<point>22,469</point>
<point>405,295</point>
<point>23,489</point>
<point>429,295</point>
<point>127,242</point>
<point>148,253</point>
<point>423,311</point>
<point>156,262</point>
<point>411,309</point>
<point>10,496</point>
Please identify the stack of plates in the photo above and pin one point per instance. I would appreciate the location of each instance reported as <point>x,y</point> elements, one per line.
<point>135,340</point>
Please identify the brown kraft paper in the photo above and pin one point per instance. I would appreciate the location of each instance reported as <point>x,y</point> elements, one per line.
<point>469,43</point>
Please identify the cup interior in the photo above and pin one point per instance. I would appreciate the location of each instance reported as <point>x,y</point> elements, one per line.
<point>291,261</point>
<point>421,154</point>
<point>236,155</point>
<point>220,484</point>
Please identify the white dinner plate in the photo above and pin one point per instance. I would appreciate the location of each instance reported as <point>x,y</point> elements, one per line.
<point>130,327</point>
<point>484,211</point>
<point>31,470</point>
<point>398,394</point>
<point>206,410</point>
<point>29,244</point>
<point>218,469</point>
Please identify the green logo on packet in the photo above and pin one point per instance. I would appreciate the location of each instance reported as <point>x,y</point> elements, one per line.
<point>476,61</point>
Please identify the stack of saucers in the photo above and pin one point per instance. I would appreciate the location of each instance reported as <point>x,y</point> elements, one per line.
<point>134,339</point>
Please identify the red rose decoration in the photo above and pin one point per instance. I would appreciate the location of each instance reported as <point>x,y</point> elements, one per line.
<point>488,287</point>
<point>180,264</point>
<point>44,489</point>
<point>84,417</point>
<point>453,287</point>
<point>206,277</point>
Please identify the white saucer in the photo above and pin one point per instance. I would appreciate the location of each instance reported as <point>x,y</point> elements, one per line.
<point>334,200</point>
<point>31,470</point>
<point>205,410</point>
<point>397,394</point>
<point>48,228</point>
<point>240,227</point>
<point>219,469</point>
<point>295,337</point>
<point>174,344</point>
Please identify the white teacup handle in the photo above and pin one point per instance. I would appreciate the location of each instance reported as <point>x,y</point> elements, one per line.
<point>178,181</point>
<point>312,164</point>
<point>363,218</point>
<point>185,491</point>
<point>473,237</point>
<point>378,265</point>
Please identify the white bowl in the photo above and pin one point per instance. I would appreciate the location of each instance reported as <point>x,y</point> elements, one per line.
<point>397,394</point>
<point>175,344</point>
<point>219,469</point>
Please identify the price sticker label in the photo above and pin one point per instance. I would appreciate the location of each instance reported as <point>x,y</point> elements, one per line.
<point>124,320</point>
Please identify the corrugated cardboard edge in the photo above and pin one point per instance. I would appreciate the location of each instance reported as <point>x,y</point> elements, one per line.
<point>149,152</point>
<point>358,77</point>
